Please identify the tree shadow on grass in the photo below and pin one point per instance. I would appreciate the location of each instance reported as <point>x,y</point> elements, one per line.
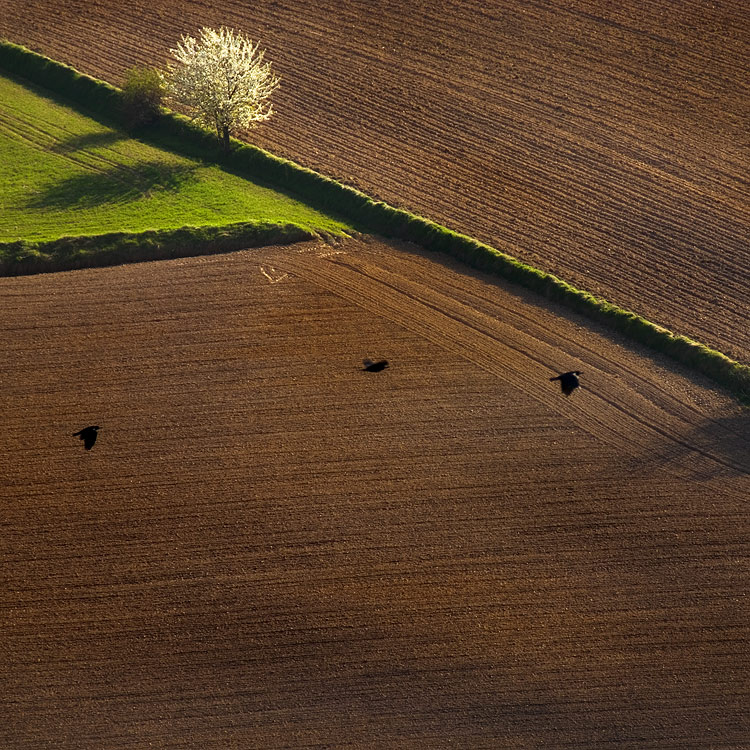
<point>88,141</point>
<point>120,184</point>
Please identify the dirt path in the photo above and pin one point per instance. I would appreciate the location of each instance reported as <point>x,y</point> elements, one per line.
<point>268,547</point>
<point>606,145</point>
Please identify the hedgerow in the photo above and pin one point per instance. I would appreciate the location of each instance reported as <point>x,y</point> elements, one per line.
<point>322,192</point>
<point>67,253</point>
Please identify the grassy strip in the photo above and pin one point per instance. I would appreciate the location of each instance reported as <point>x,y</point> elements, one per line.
<point>67,253</point>
<point>325,193</point>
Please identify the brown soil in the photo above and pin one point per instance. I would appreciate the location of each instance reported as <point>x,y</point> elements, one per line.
<point>609,146</point>
<point>268,547</point>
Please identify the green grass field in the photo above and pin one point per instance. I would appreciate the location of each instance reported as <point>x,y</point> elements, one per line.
<point>63,173</point>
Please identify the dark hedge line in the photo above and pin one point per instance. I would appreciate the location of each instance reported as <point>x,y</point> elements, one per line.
<point>114,248</point>
<point>95,95</point>
<point>179,133</point>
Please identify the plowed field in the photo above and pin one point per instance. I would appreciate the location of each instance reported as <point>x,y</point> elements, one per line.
<point>268,547</point>
<point>606,142</point>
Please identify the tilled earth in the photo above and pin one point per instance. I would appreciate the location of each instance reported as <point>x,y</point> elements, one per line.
<point>605,142</point>
<point>268,547</point>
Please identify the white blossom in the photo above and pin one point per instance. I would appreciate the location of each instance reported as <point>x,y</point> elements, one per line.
<point>222,79</point>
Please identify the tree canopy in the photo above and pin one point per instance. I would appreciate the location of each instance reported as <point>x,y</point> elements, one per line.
<point>222,79</point>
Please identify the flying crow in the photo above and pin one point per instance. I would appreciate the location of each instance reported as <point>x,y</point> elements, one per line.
<point>88,435</point>
<point>568,381</point>
<point>371,366</point>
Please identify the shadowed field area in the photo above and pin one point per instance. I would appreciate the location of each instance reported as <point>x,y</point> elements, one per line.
<point>268,547</point>
<point>605,142</point>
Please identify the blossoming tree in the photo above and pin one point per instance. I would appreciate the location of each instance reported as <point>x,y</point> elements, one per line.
<point>222,79</point>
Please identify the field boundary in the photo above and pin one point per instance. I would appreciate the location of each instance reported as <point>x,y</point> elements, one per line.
<point>180,134</point>
<point>114,248</point>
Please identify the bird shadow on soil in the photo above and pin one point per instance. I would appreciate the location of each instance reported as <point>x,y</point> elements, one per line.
<point>120,184</point>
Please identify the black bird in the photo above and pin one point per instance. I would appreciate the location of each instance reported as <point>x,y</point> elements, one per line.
<point>371,366</point>
<point>88,435</point>
<point>568,381</point>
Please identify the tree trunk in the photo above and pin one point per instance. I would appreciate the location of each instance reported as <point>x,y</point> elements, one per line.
<point>225,138</point>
